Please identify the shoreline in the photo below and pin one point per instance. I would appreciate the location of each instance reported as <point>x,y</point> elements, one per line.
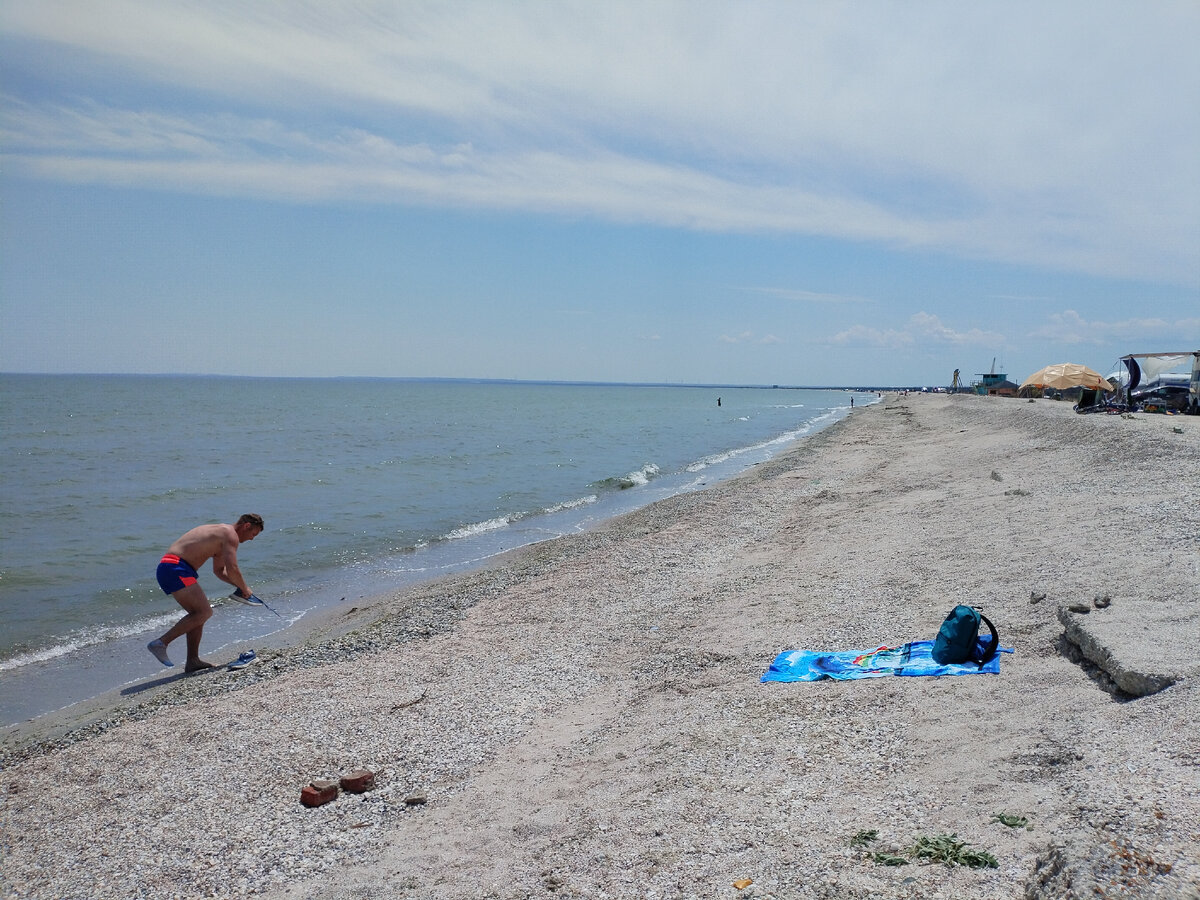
<point>289,647</point>
<point>63,675</point>
<point>584,716</point>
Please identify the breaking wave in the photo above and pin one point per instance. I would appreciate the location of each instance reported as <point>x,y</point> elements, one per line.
<point>475,528</point>
<point>636,478</point>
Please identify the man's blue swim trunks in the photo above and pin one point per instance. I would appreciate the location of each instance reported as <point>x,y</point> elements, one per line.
<point>174,574</point>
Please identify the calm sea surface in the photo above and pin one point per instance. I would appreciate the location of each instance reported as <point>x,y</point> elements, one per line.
<point>365,484</point>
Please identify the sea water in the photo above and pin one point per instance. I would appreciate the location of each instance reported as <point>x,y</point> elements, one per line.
<point>366,485</point>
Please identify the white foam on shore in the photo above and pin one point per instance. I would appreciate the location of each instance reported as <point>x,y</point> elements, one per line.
<point>467,531</point>
<point>477,528</point>
<point>785,438</point>
<point>572,504</point>
<point>87,637</point>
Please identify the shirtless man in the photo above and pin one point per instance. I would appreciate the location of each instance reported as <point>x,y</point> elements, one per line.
<point>177,576</point>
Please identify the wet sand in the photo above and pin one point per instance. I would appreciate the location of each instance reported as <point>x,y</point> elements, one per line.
<point>585,718</point>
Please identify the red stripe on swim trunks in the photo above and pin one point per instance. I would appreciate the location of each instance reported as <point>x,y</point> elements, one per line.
<point>171,558</point>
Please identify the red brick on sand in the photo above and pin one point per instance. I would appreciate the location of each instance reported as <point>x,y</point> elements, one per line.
<point>358,781</point>
<point>319,793</point>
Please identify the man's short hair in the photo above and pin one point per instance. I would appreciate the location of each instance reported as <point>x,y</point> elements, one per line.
<point>251,519</point>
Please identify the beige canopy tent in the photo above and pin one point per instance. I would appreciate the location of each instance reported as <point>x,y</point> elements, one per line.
<point>1067,375</point>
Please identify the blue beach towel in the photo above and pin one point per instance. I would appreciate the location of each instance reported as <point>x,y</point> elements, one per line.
<point>912,658</point>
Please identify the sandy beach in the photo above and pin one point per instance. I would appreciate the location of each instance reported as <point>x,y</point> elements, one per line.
<point>585,717</point>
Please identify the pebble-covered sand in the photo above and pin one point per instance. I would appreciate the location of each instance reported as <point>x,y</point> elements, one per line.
<point>585,718</point>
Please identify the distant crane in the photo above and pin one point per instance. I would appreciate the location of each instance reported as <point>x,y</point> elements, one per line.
<point>955,384</point>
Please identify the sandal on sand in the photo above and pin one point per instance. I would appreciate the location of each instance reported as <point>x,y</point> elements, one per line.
<point>159,651</point>
<point>244,660</point>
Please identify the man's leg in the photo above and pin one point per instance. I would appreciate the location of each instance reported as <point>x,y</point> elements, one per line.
<point>194,661</point>
<point>199,611</point>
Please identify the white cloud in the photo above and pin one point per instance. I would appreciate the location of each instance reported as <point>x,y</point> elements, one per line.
<point>749,337</point>
<point>921,329</point>
<point>226,155</point>
<point>1065,135</point>
<point>931,327</point>
<point>1069,327</point>
<point>802,296</point>
<point>865,336</point>
<point>743,338</point>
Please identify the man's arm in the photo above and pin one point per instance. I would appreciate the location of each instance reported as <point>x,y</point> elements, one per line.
<point>225,564</point>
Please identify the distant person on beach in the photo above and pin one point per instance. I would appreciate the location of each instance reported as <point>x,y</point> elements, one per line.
<point>852,403</point>
<point>177,576</point>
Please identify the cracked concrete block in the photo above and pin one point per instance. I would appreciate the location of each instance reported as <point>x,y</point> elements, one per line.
<point>1136,642</point>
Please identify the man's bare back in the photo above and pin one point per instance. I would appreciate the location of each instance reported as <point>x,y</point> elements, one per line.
<point>218,542</point>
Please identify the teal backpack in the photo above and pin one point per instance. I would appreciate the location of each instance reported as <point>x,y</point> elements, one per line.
<point>957,638</point>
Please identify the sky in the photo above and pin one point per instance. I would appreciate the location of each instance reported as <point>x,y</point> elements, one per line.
<point>802,193</point>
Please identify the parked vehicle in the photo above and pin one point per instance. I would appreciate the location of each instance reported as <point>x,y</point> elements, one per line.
<point>1194,387</point>
<point>1152,386</point>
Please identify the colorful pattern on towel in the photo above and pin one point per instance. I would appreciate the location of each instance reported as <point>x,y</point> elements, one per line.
<point>911,659</point>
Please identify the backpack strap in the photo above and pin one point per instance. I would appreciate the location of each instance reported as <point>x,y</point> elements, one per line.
<point>994,647</point>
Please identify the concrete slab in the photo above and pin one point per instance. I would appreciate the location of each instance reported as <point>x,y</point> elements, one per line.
<point>1143,645</point>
